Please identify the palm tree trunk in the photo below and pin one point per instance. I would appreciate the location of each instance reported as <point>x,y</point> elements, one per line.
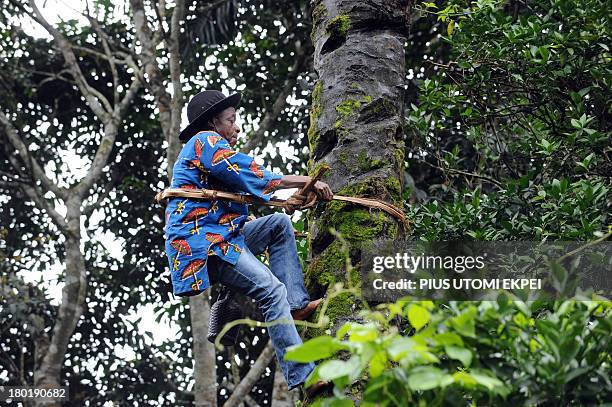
<point>356,127</point>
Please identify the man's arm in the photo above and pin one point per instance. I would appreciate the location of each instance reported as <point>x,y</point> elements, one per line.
<point>298,181</point>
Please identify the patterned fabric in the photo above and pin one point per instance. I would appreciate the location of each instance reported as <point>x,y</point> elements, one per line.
<point>196,229</point>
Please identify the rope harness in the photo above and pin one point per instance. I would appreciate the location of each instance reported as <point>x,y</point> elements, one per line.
<point>303,199</point>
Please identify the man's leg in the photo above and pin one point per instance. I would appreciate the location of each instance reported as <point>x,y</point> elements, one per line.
<point>275,232</point>
<point>252,278</point>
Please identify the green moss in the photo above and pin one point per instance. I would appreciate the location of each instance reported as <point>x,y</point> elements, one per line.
<point>365,164</point>
<point>319,13</point>
<point>345,110</point>
<point>315,111</point>
<point>398,153</point>
<point>348,106</point>
<point>371,187</point>
<point>340,306</point>
<point>339,26</point>
<point>328,267</point>
<point>394,188</point>
<point>384,108</point>
<point>355,277</point>
<point>316,168</point>
<point>343,158</point>
<point>316,97</point>
<point>326,270</point>
<point>357,223</point>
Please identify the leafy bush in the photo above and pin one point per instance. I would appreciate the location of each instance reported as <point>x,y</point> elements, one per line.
<point>559,210</point>
<point>488,353</point>
<point>513,118</point>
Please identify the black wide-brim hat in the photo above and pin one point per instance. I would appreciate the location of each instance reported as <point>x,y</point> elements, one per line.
<point>202,107</point>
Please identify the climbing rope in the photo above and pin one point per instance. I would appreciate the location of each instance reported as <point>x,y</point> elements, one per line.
<point>302,199</point>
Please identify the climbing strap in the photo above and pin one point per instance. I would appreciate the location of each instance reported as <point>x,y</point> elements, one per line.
<point>302,199</point>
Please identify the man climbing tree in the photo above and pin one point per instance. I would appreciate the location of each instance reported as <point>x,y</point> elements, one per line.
<point>208,240</point>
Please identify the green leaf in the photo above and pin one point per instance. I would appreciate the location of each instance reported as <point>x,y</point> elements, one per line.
<point>363,333</point>
<point>464,378</point>
<point>462,354</point>
<point>334,369</point>
<point>314,349</point>
<point>450,27</point>
<point>378,363</point>
<point>400,346</point>
<point>424,378</point>
<point>568,349</point>
<point>490,382</point>
<point>448,338</point>
<point>418,316</point>
<point>344,329</point>
<point>464,323</point>
<point>339,403</point>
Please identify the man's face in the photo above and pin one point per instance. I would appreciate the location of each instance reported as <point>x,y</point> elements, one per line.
<point>225,123</point>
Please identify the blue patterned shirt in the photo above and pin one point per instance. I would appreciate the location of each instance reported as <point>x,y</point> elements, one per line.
<point>197,229</point>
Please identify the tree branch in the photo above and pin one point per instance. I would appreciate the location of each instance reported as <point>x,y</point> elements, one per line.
<point>248,399</point>
<point>160,12</point>
<point>108,140</point>
<point>154,75</point>
<point>34,194</point>
<point>31,164</point>
<point>177,101</point>
<point>247,383</point>
<point>96,101</point>
<point>109,57</point>
<point>13,366</point>
<point>108,188</point>
<point>100,159</point>
<point>130,94</point>
<point>465,173</point>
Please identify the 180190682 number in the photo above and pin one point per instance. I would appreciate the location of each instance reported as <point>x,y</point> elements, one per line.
<point>14,393</point>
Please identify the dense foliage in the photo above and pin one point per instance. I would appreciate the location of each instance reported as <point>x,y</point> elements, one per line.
<point>463,353</point>
<point>514,118</point>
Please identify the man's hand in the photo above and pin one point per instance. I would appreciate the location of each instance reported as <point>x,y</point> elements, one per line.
<point>323,190</point>
<point>251,217</point>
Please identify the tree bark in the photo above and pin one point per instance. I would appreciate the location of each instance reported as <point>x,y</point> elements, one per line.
<point>281,395</point>
<point>356,127</point>
<point>48,373</point>
<point>205,371</point>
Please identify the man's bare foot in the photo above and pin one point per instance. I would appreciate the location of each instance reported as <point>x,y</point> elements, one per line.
<point>302,314</point>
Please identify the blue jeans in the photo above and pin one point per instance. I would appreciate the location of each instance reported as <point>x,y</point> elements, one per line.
<point>277,290</point>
